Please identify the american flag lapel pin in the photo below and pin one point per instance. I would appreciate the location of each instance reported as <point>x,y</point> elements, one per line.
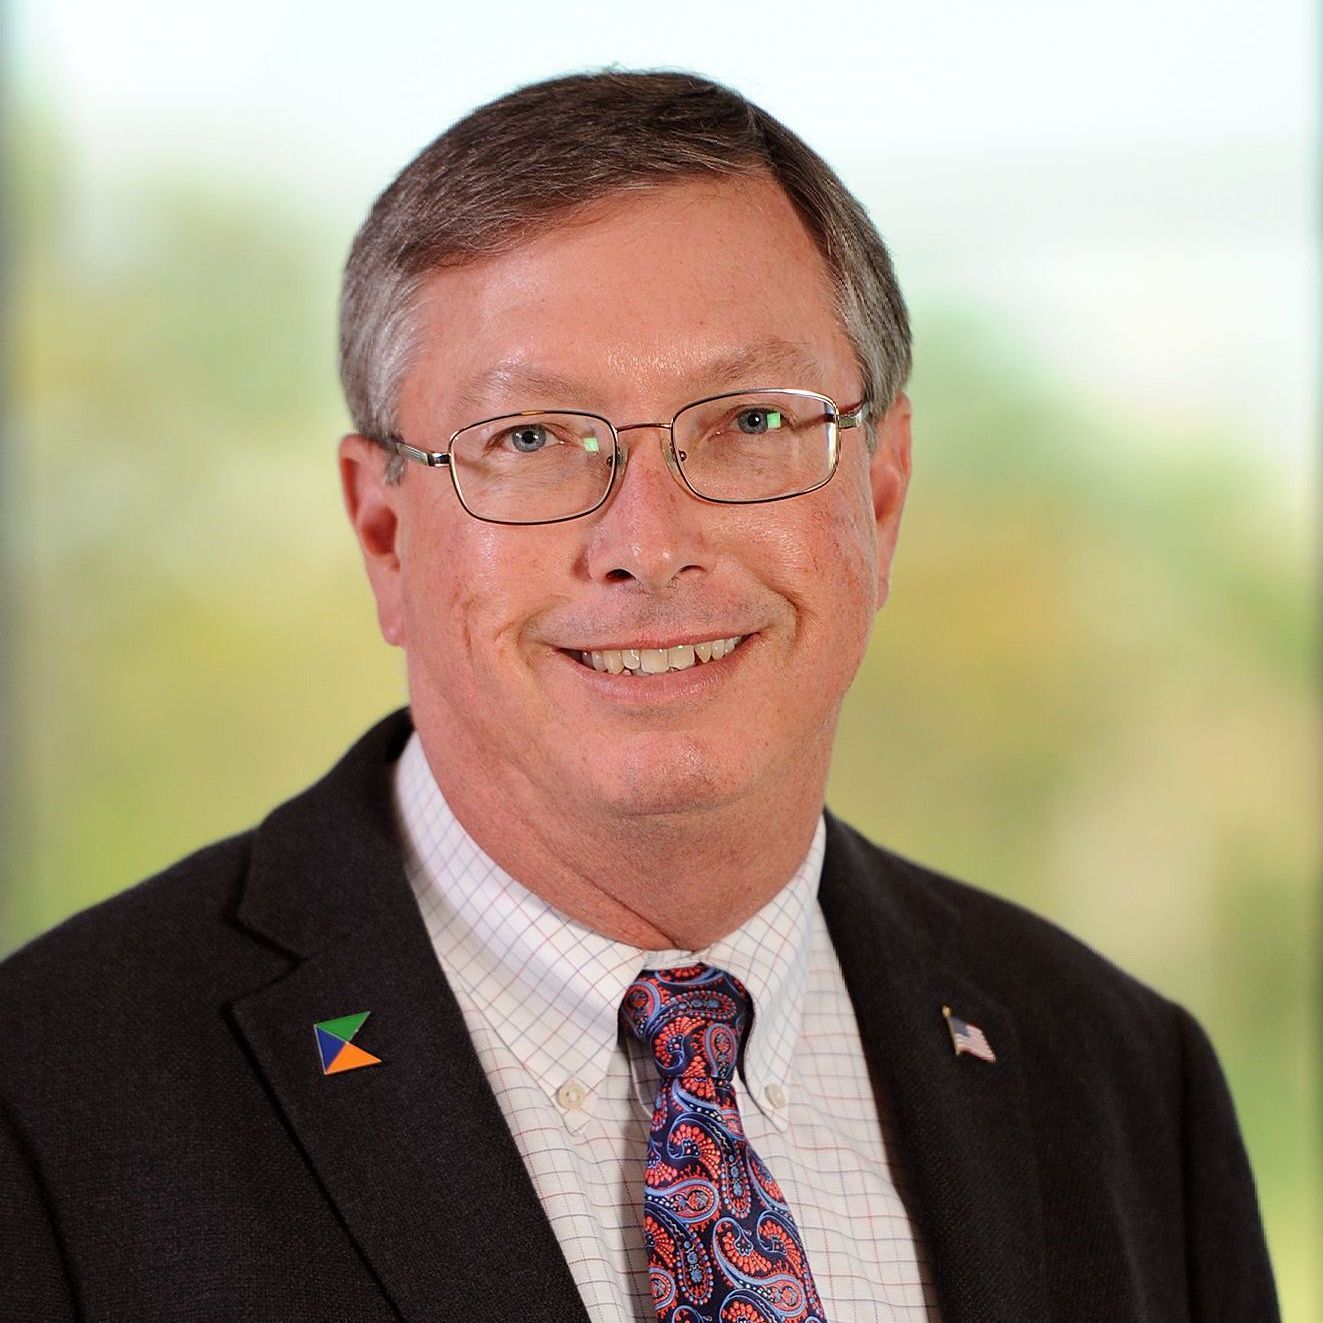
<point>966,1037</point>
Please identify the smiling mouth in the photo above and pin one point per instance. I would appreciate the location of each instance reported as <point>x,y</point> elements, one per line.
<point>656,661</point>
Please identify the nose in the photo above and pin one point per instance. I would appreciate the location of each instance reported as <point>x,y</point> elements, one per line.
<point>652,530</point>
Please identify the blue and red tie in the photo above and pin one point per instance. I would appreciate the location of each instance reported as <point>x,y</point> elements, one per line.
<point>722,1245</point>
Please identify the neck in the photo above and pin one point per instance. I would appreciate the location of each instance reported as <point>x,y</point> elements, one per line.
<point>679,879</point>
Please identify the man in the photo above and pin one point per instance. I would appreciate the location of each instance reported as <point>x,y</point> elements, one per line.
<point>559,997</point>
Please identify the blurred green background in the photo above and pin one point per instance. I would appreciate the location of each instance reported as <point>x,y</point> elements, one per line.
<point>1095,688</point>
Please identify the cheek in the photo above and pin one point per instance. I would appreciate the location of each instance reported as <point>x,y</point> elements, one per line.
<point>856,571</point>
<point>835,555</point>
<point>457,581</point>
<point>856,546</point>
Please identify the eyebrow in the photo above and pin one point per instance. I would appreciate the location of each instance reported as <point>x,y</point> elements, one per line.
<point>770,362</point>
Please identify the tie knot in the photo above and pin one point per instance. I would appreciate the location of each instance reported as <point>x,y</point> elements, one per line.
<point>693,1019</point>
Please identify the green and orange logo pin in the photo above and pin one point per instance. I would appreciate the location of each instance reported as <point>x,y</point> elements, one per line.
<point>335,1046</point>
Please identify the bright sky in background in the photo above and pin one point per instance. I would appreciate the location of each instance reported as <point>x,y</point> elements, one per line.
<point>1128,189</point>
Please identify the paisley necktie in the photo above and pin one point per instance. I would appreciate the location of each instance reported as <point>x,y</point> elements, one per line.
<point>722,1245</point>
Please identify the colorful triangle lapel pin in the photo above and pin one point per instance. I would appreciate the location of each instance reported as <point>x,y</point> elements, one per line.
<point>966,1037</point>
<point>335,1047</point>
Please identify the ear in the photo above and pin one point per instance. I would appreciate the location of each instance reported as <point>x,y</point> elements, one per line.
<point>889,472</point>
<point>373,508</point>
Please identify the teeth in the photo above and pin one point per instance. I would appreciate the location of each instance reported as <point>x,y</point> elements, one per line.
<point>655,661</point>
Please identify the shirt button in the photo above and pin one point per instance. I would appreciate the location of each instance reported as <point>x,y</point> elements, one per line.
<point>775,1095</point>
<point>571,1095</point>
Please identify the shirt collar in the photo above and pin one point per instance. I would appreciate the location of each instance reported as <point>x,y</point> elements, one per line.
<point>550,987</point>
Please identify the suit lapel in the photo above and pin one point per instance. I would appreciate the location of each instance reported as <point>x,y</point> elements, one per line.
<point>414,1153</point>
<point>962,1124</point>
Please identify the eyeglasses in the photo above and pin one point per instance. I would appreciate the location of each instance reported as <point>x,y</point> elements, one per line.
<point>543,466</point>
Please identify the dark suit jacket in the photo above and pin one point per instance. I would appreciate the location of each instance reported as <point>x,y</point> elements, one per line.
<point>171,1150</point>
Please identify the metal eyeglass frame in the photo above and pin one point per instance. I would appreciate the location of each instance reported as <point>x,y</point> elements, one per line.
<point>841,420</point>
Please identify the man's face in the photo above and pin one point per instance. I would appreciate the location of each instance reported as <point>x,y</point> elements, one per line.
<point>658,300</point>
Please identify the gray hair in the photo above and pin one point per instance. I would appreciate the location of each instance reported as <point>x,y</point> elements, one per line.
<point>514,168</point>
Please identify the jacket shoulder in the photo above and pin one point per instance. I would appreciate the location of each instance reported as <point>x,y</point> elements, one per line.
<point>165,931</point>
<point>1023,959</point>
<point>1136,1142</point>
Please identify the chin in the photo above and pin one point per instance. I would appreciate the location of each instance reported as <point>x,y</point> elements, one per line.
<point>663,776</point>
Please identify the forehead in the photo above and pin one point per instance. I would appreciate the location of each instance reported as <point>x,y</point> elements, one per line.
<point>691,286</point>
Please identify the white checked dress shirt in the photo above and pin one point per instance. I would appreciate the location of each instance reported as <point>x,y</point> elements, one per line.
<point>540,995</point>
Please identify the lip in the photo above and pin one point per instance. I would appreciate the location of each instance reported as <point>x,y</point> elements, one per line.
<point>693,682</point>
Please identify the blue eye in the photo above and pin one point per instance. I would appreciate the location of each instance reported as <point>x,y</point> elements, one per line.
<point>754,422</point>
<point>529,438</point>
